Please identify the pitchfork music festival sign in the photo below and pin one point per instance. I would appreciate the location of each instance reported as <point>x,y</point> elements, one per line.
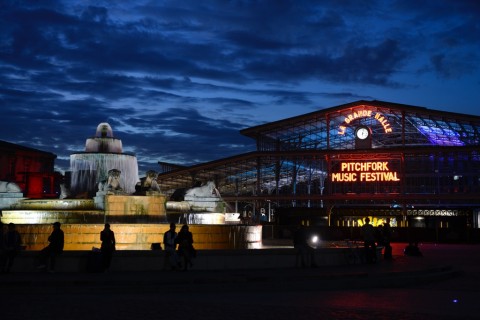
<point>370,171</point>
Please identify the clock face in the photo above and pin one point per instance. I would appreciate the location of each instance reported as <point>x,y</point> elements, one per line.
<point>362,133</point>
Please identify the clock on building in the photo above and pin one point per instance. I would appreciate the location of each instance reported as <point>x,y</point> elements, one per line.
<point>362,132</point>
<point>363,137</point>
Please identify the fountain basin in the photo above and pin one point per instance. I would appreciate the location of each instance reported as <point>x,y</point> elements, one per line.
<point>118,209</point>
<point>51,216</point>
<point>54,204</point>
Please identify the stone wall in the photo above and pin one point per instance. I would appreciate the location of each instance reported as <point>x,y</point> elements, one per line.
<point>141,236</point>
<point>8,199</point>
<point>135,206</point>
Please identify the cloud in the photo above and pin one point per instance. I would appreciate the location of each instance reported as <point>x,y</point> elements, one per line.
<point>172,77</point>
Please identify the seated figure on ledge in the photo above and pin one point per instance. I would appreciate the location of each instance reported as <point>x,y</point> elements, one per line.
<point>148,184</point>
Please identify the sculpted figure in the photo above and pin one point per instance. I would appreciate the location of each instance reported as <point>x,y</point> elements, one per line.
<point>113,182</point>
<point>207,190</point>
<point>64,192</point>
<point>11,187</point>
<point>149,183</point>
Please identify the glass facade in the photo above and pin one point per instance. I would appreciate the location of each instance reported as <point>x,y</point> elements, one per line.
<point>413,162</point>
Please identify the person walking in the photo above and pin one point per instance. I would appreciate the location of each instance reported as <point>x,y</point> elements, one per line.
<point>305,254</point>
<point>369,241</point>
<point>107,236</point>
<point>185,247</point>
<point>48,255</point>
<point>170,244</point>
<point>11,247</point>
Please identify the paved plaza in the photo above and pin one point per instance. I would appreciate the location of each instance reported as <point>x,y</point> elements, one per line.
<point>443,284</point>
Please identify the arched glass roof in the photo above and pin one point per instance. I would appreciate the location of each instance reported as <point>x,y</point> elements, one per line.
<point>392,125</point>
<point>294,150</point>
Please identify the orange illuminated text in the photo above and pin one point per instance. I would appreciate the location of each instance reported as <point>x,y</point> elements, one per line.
<point>364,114</point>
<point>364,172</point>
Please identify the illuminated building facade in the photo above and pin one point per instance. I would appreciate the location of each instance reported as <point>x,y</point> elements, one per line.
<point>31,169</point>
<point>335,166</point>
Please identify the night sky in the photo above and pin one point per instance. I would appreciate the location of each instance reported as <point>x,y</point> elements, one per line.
<point>178,79</point>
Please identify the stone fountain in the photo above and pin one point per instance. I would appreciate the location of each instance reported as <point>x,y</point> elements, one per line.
<point>105,187</point>
<point>102,153</point>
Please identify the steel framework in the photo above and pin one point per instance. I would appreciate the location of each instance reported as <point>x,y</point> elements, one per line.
<point>435,157</point>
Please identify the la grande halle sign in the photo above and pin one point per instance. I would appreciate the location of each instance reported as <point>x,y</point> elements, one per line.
<point>364,172</point>
<point>365,114</point>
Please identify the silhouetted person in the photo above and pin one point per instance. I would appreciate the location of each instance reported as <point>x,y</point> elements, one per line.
<point>369,244</point>
<point>249,218</point>
<point>11,246</point>
<point>185,247</point>
<point>170,244</point>
<point>49,254</point>
<point>379,235</point>
<point>107,236</point>
<point>305,256</point>
<point>412,250</point>
<point>2,244</point>
<point>243,217</point>
<point>387,238</point>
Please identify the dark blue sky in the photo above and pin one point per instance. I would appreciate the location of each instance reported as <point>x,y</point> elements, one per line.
<point>177,80</point>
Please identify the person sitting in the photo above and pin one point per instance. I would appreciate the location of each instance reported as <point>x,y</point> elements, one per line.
<point>52,250</point>
<point>412,250</point>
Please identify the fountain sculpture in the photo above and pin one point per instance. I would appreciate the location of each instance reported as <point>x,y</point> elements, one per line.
<point>105,188</point>
<point>102,153</point>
